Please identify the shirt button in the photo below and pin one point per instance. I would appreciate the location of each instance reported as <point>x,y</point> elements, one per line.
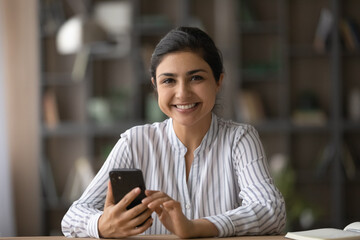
<point>188,206</point>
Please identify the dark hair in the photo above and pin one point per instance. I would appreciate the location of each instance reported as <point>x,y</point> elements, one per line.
<point>192,39</point>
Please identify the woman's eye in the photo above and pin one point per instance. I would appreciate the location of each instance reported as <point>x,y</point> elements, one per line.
<point>196,77</point>
<point>167,80</point>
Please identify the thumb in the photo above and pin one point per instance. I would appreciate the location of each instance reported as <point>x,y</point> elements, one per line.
<point>109,201</point>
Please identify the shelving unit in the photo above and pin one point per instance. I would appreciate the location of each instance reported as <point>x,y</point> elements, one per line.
<point>270,53</point>
<point>315,151</point>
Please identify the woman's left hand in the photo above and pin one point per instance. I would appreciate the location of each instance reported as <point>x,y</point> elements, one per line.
<point>170,214</point>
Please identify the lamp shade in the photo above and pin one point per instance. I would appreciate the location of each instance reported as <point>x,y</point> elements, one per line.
<point>77,32</point>
<point>69,37</point>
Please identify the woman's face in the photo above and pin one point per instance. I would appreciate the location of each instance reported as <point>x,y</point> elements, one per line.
<point>186,89</point>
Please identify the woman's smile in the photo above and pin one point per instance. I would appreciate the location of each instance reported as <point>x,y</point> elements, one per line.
<point>186,106</point>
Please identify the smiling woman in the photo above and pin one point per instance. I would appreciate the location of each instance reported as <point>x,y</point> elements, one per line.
<point>187,91</point>
<point>206,176</point>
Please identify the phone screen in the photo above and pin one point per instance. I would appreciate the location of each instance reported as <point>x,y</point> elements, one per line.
<point>123,180</point>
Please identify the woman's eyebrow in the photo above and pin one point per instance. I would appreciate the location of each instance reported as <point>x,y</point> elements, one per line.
<point>191,72</point>
<point>195,71</point>
<point>166,75</point>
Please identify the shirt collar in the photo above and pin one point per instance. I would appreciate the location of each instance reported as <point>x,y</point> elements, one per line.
<point>205,144</point>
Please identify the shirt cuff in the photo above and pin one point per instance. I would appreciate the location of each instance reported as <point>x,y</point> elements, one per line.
<point>224,225</point>
<point>92,227</point>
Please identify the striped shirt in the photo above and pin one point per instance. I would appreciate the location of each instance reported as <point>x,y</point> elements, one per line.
<point>229,183</point>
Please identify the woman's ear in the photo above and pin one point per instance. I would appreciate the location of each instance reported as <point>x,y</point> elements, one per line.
<point>219,83</point>
<point>153,83</point>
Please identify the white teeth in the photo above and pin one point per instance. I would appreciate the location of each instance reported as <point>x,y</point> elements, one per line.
<point>186,106</point>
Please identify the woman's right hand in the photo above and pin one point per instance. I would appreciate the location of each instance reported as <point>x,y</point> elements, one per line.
<point>118,222</point>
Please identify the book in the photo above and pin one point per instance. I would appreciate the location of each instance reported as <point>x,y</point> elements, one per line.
<point>350,34</point>
<point>351,231</point>
<point>348,37</point>
<point>251,109</point>
<point>314,117</point>
<point>50,106</point>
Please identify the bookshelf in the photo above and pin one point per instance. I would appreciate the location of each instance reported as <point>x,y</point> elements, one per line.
<point>320,141</point>
<point>268,53</point>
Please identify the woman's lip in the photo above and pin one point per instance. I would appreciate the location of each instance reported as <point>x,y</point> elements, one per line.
<point>185,106</point>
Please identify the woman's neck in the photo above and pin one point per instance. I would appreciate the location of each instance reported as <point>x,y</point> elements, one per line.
<point>191,136</point>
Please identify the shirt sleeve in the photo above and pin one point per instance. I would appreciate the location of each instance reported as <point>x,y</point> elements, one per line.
<point>81,220</point>
<point>263,208</point>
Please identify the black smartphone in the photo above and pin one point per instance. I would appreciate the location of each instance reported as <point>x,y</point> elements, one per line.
<point>123,180</point>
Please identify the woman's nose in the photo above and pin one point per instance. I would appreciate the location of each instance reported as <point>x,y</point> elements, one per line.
<point>183,90</point>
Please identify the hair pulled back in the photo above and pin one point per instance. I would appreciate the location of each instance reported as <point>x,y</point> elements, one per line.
<point>188,39</point>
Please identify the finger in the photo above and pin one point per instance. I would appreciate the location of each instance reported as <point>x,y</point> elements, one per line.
<point>109,196</point>
<point>171,205</point>
<point>158,210</point>
<point>153,195</point>
<point>158,202</point>
<point>128,198</point>
<point>150,192</point>
<point>142,228</point>
<point>138,210</point>
<point>140,219</point>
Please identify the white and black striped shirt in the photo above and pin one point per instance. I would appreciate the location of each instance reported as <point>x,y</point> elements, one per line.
<point>229,183</point>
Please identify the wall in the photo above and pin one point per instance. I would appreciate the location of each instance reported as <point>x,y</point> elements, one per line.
<point>7,226</point>
<point>19,19</point>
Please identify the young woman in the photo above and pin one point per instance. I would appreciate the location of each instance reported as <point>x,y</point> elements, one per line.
<point>206,176</point>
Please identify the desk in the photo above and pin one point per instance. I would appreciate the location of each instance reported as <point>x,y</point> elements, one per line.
<point>150,237</point>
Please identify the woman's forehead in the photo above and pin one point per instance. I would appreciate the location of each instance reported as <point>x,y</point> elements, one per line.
<point>181,61</point>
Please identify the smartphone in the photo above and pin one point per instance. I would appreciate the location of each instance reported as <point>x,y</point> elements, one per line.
<point>123,180</point>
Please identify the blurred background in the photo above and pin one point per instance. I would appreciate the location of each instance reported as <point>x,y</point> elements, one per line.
<point>74,75</point>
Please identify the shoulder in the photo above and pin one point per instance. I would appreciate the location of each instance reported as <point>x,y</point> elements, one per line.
<point>245,142</point>
<point>235,129</point>
<point>146,130</point>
